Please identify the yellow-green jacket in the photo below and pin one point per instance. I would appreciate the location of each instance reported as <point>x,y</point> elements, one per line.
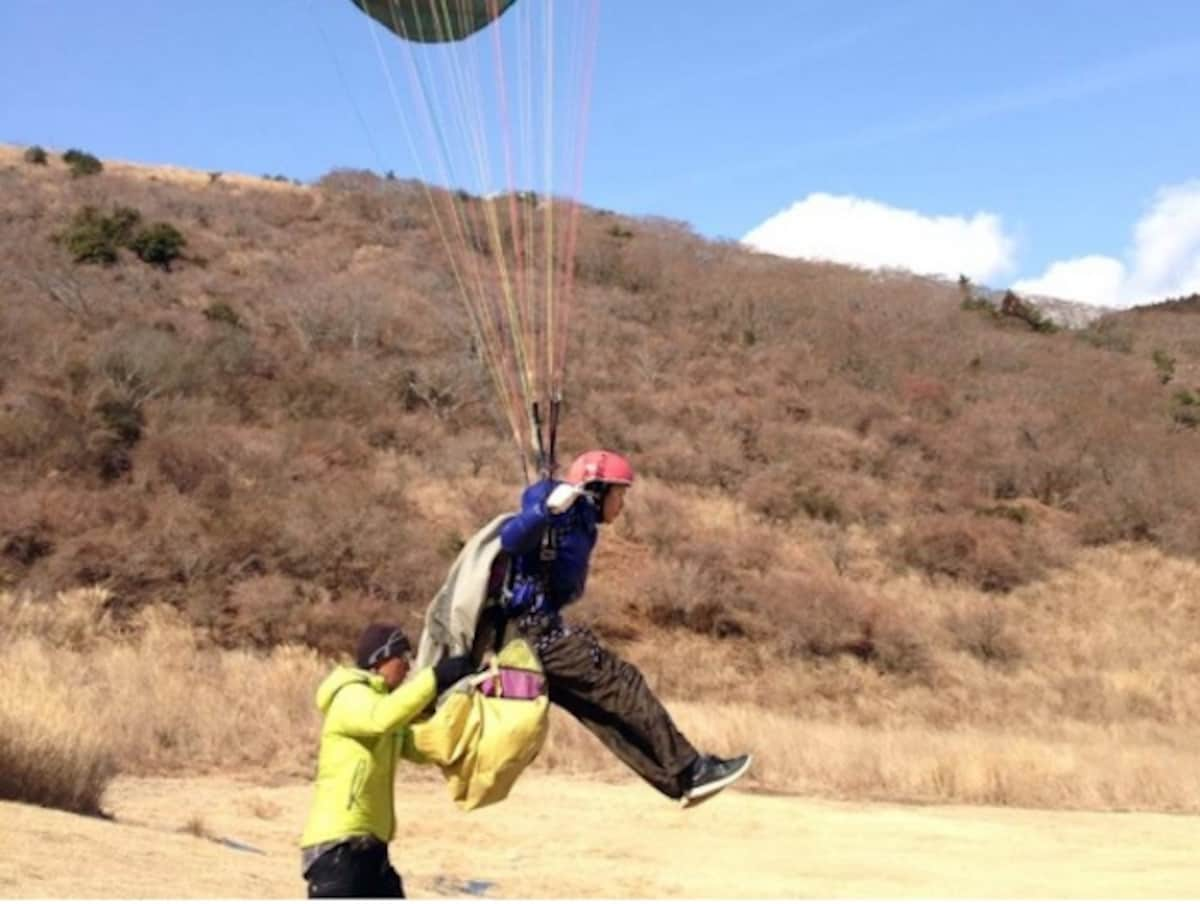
<point>365,730</point>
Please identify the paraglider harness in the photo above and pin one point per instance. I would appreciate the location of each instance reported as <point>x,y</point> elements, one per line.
<point>544,627</point>
<point>506,590</point>
<point>502,583</point>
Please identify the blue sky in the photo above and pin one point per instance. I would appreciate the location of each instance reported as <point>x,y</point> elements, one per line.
<point>1051,145</point>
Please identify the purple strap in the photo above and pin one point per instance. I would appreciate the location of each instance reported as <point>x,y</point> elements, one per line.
<point>514,684</point>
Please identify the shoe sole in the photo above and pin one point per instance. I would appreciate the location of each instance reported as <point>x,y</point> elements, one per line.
<point>704,792</point>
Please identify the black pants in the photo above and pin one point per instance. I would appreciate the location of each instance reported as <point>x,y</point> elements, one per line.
<point>357,869</point>
<point>604,692</point>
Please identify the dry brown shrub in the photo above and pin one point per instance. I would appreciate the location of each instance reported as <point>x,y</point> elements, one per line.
<point>822,618</point>
<point>599,261</point>
<point>710,458</point>
<point>269,610</point>
<point>255,454</point>
<point>23,545</point>
<point>1131,504</point>
<point>359,195</point>
<point>27,526</point>
<point>97,540</point>
<point>474,453</point>
<point>316,395</point>
<point>927,397</point>
<point>654,516</point>
<point>985,630</point>
<point>187,461</point>
<point>696,595</point>
<point>141,362</point>
<point>278,207</point>
<point>482,499</point>
<point>813,618</point>
<point>34,426</point>
<point>333,624</point>
<point>227,356</point>
<point>751,547</point>
<point>993,554</point>
<point>267,607</point>
<point>786,492</point>
<point>900,643</point>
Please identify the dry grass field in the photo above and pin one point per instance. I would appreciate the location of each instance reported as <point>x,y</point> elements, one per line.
<point>1100,720</point>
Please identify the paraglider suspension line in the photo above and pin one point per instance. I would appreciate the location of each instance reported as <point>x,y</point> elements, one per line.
<point>538,442</point>
<point>555,407</point>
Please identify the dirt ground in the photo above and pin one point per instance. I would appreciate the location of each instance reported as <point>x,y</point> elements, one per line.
<point>572,838</point>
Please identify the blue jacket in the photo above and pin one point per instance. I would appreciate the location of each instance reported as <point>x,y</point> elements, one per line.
<point>549,553</point>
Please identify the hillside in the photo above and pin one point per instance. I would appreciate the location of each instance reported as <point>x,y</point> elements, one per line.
<point>860,501</point>
<point>172,434</point>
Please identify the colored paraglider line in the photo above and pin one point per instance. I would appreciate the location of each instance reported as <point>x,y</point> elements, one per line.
<point>341,76</point>
<point>487,322</point>
<point>479,321</point>
<point>518,304</point>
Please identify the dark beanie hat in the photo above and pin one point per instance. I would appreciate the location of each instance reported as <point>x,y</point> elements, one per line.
<point>379,643</point>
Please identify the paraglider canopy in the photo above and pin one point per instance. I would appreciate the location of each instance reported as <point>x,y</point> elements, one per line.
<point>431,21</point>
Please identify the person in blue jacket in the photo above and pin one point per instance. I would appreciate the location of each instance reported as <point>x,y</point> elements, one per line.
<point>549,543</point>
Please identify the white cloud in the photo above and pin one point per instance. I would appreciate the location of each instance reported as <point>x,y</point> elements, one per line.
<point>1094,279</point>
<point>1163,262</point>
<point>869,234</point>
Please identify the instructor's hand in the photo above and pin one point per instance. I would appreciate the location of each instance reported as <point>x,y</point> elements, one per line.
<point>452,670</point>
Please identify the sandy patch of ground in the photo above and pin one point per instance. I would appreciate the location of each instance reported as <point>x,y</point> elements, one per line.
<point>572,838</point>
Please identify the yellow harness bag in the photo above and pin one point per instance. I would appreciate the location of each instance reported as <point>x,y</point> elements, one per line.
<point>488,727</point>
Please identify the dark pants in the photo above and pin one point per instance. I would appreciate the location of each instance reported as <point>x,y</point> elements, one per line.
<point>356,869</point>
<point>604,692</point>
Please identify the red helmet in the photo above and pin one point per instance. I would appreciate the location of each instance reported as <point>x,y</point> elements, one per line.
<point>602,466</point>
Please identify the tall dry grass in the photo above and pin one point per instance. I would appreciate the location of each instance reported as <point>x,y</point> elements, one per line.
<point>48,755</point>
<point>85,698</point>
<point>1088,698</point>
<point>1094,704</point>
<point>1073,766</point>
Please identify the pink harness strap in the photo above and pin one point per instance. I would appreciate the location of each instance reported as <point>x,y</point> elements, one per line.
<point>514,684</point>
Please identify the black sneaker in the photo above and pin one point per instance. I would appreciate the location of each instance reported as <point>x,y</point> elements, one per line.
<point>710,774</point>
